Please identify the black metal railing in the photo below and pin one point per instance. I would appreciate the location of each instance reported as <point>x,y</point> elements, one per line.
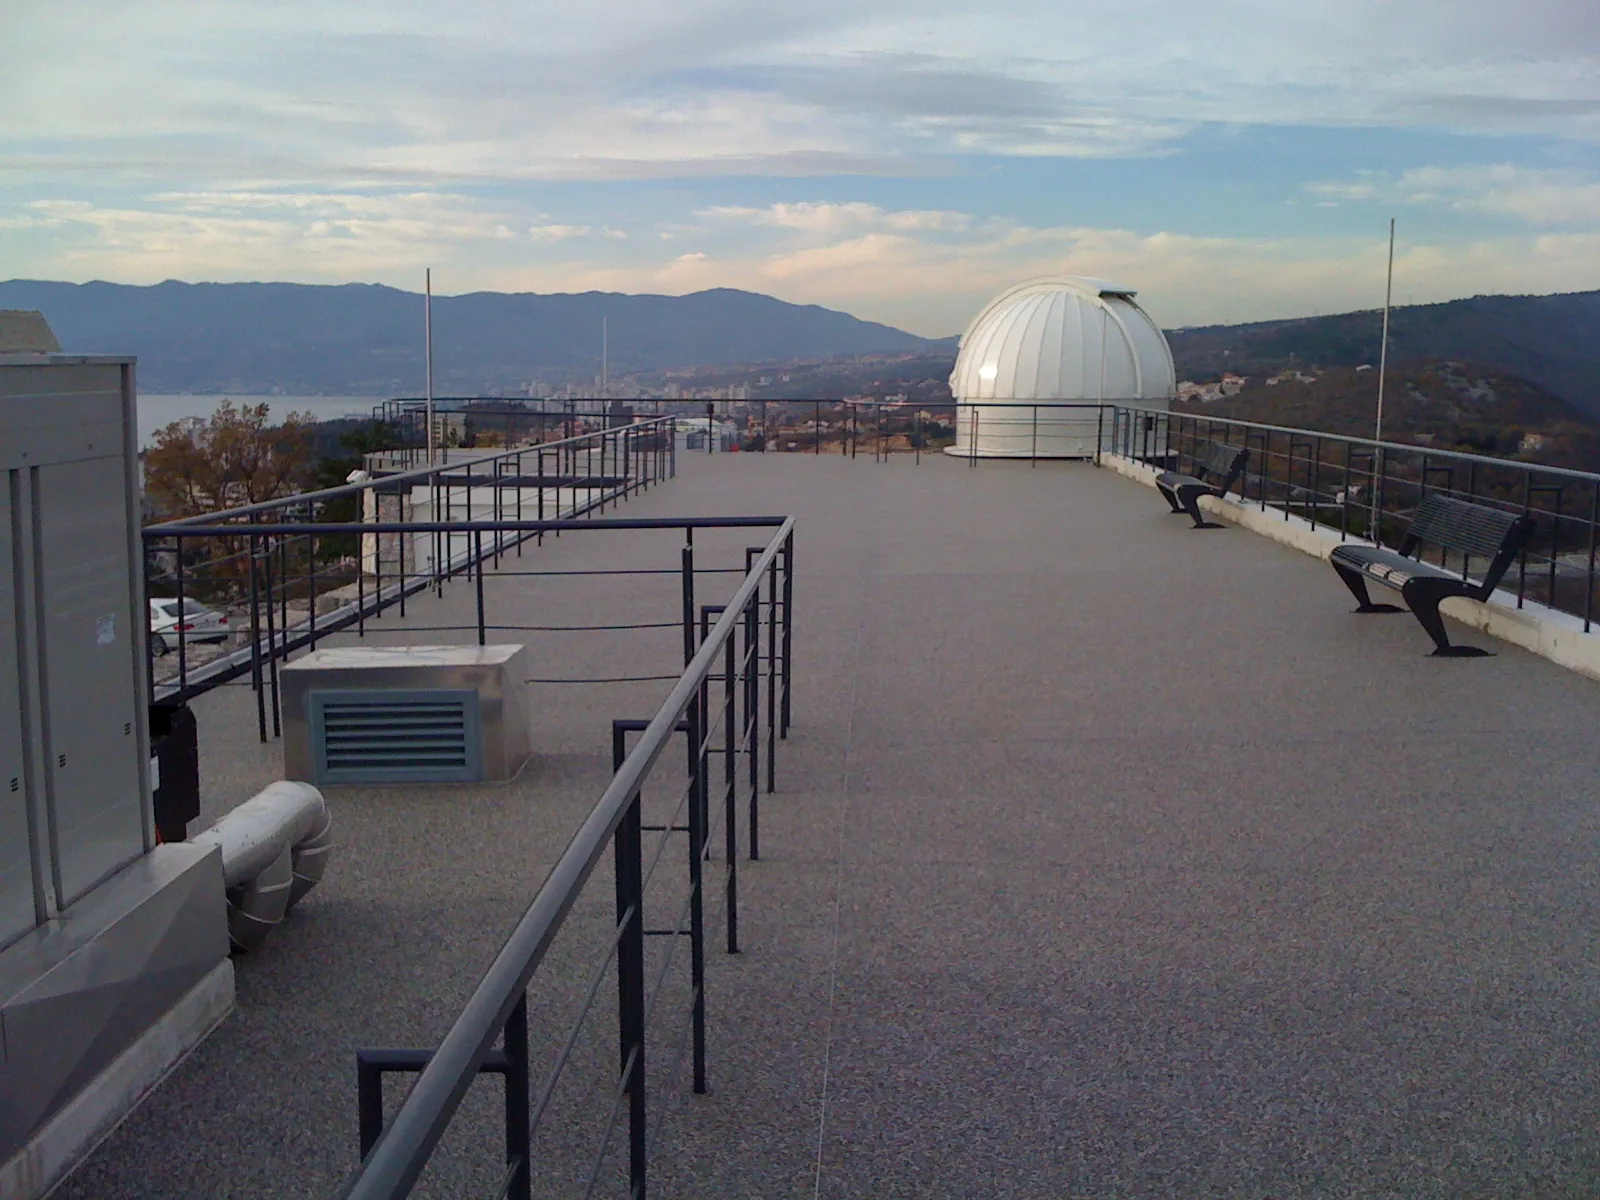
<point>737,647</point>
<point>288,572</point>
<point>1359,488</point>
<point>1354,486</point>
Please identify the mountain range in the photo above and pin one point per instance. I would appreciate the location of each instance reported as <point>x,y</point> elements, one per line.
<point>366,339</point>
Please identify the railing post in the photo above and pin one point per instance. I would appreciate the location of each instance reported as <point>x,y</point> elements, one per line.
<point>400,540</point>
<point>772,672</point>
<point>699,723</point>
<point>630,977</point>
<point>519,1137</point>
<point>272,639</point>
<point>788,630</point>
<point>730,797</point>
<point>361,586</point>
<point>752,714</point>
<point>183,639</point>
<point>311,578</point>
<point>686,576</point>
<point>522,534</point>
<point>1376,531</point>
<point>256,681</point>
<point>369,1104</point>
<point>477,553</point>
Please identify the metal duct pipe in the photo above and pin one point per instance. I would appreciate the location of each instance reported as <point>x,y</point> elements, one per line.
<point>274,850</point>
<point>256,907</point>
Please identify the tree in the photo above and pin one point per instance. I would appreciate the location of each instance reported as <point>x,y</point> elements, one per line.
<point>234,458</point>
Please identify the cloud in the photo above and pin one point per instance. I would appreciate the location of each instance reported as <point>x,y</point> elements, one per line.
<point>1536,196</point>
<point>826,219</point>
<point>245,234</point>
<point>1336,191</point>
<point>302,93</point>
<point>1539,196</point>
<point>558,233</point>
<point>933,284</point>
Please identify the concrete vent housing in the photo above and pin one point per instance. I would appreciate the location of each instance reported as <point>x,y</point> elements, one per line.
<point>406,714</point>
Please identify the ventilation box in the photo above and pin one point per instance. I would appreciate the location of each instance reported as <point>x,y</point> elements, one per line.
<point>405,714</point>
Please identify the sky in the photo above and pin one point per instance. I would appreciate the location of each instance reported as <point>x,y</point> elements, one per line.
<point>1233,160</point>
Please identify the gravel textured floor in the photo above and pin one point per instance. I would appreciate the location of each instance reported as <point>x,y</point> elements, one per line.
<point>1109,858</point>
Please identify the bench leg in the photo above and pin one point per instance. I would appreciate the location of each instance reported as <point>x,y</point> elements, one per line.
<point>1426,609</point>
<point>1358,588</point>
<point>1191,505</point>
<point>1171,499</point>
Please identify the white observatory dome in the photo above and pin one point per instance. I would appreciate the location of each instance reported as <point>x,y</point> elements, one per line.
<point>1064,339</point>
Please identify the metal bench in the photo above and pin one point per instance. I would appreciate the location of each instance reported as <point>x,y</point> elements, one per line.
<point>1223,463</point>
<point>1472,530</point>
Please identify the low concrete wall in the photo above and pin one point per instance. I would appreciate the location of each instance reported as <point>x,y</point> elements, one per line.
<point>1555,635</point>
<point>96,1111</point>
<point>99,1004</point>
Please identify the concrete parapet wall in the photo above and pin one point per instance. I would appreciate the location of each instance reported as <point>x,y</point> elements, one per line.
<point>1538,628</point>
<point>97,1006</point>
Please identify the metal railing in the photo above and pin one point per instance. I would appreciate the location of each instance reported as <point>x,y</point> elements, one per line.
<point>291,571</point>
<point>1355,486</point>
<point>723,646</point>
<point>1362,488</point>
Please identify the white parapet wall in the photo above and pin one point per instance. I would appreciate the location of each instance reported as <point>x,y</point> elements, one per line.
<point>1538,628</point>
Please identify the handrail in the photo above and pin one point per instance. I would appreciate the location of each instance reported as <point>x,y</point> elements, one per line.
<point>320,528</point>
<point>387,481</point>
<point>1405,447</point>
<point>401,1154</point>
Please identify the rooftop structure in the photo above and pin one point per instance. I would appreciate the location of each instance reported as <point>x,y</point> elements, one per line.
<point>1106,858</point>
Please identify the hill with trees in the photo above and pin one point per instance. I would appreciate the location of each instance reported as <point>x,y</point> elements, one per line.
<point>1551,341</point>
<point>1446,404</point>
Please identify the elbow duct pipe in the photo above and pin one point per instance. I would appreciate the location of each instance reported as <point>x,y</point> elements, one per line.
<point>275,848</point>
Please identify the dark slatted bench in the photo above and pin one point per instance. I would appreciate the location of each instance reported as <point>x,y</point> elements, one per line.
<point>1469,529</point>
<point>1222,467</point>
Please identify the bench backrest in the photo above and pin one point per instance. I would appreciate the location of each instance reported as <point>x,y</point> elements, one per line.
<point>1470,529</point>
<point>1225,463</point>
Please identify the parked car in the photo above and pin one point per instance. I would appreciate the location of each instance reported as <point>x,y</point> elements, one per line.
<point>196,622</point>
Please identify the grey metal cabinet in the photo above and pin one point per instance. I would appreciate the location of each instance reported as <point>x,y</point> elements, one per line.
<point>74,796</point>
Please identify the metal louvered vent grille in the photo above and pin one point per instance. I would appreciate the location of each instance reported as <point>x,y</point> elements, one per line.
<point>396,736</point>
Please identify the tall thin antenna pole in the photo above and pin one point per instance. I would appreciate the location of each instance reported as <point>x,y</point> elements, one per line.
<point>605,360</point>
<point>1383,349</point>
<point>1383,368</point>
<point>427,351</point>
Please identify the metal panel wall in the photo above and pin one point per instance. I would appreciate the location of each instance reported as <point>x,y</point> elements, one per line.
<point>18,909</point>
<point>91,710</point>
<point>72,691</point>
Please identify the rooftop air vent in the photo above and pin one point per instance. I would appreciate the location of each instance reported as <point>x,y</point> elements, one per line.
<point>401,736</point>
<point>405,714</point>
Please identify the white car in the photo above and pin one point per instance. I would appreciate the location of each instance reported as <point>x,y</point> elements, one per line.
<point>197,623</point>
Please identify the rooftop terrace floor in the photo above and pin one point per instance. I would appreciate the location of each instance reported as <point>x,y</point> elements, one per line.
<point>1108,858</point>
